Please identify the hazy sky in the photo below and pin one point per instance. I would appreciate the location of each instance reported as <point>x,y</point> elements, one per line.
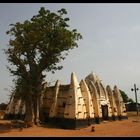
<point>110,46</point>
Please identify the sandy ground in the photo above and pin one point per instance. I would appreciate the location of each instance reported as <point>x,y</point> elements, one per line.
<point>123,128</point>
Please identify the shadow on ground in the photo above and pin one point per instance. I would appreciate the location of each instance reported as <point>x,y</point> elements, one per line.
<point>5,127</point>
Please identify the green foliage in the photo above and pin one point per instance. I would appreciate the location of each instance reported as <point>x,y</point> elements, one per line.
<point>3,106</point>
<point>125,97</point>
<point>20,89</point>
<point>130,100</point>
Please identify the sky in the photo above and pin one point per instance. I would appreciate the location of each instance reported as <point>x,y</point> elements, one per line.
<point>110,46</point>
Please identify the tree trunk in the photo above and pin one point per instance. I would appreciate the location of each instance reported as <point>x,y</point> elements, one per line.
<point>37,93</point>
<point>36,109</point>
<point>29,111</point>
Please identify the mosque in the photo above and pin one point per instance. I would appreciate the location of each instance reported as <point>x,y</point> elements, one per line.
<point>75,105</point>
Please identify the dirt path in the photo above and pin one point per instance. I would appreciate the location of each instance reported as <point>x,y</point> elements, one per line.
<point>130,127</point>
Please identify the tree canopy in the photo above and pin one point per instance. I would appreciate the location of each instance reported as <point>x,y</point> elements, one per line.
<point>38,45</point>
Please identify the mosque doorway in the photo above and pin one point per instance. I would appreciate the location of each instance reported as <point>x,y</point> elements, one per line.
<point>104,112</point>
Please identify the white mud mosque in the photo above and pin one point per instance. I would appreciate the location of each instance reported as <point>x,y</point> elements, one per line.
<point>75,105</point>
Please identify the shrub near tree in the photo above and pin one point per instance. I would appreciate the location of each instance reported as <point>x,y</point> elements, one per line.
<point>3,106</point>
<point>38,45</point>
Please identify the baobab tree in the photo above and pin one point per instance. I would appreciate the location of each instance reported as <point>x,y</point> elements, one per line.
<point>38,45</point>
